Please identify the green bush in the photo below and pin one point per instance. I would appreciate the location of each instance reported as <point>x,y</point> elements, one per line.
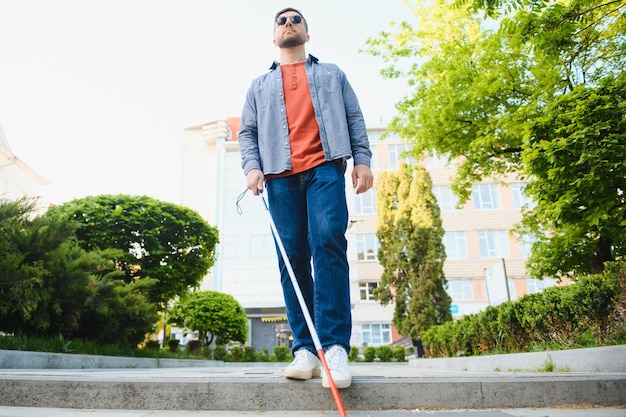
<point>399,353</point>
<point>263,356</point>
<point>353,355</point>
<point>589,312</point>
<point>219,353</point>
<point>172,344</point>
<point>369,354</point>
<point>153,345</point>
<point>384,353</point>
<point>206,352</point>
<point>236,353</point>
<point>249,354</point>
<point>194,347</point>
<point>281,353</point>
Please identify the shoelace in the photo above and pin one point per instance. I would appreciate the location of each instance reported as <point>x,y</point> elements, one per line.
<point>301,356</point>
<point>335,360</point>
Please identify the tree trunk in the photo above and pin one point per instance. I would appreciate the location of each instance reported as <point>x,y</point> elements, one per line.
<point>604,254</point>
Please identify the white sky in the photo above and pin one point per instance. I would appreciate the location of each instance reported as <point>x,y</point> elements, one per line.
<point>95,94</point>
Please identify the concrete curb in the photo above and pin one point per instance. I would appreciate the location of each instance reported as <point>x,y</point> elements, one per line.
<point>15,359</point>
<point>600,359</point>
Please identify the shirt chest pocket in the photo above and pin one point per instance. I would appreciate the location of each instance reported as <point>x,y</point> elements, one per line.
<point>329,81</point>
<point>263,95</point>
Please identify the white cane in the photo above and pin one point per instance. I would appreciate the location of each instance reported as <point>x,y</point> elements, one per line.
<point>305,311</point>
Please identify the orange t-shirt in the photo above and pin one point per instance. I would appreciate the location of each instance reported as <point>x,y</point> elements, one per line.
<point>304,133</point>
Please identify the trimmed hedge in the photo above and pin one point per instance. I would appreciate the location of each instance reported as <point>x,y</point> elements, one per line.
<point>591,311</point>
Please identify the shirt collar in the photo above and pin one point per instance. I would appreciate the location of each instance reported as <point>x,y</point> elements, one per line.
<point>311,60</point>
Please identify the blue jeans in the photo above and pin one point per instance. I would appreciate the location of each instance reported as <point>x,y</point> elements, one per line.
<point>311,217</point>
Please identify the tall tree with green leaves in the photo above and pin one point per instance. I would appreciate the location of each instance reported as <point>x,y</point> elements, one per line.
<point>481,87</point>
<point>411,252</point>
<point>160,240</point>
<point>214,315</point>
<point>577,152</point>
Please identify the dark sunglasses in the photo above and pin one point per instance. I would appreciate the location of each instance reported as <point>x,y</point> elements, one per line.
<point>295,19</point>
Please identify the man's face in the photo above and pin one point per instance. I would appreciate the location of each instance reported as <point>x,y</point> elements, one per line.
<point>290,34</point>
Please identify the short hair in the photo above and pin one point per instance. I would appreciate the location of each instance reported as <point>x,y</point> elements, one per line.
<point>291,9</point>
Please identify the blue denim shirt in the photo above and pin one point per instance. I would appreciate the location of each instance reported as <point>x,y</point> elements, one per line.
<point>264,134</point>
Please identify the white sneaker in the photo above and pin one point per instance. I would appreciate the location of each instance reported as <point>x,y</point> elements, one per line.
<point>337,360</point>
<point>305,365</point>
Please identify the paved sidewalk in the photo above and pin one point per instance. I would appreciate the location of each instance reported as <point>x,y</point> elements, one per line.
<point>519,412</point>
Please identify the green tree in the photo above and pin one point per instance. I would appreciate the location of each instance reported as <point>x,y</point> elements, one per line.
<point>213,315</point>
<point>21,279</point>
<point>45,274</point>
<point>50,286</point>
<point>465,94</point>
<point>480,86</point>
<point>161,240</point>
<point>116,312</point>
<point>577,154</point>
<point>411,251</point>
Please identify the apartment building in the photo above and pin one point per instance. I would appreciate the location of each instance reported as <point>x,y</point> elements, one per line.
<point>485,264</point>
<point>485,261</point>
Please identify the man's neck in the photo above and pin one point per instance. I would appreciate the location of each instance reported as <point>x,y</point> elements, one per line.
<point>292,55</point>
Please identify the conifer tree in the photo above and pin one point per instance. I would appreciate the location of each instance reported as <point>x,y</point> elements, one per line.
<point>411,251</point>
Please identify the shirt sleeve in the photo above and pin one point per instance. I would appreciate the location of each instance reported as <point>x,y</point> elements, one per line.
<point>357,129</point>
<point>248,135</point>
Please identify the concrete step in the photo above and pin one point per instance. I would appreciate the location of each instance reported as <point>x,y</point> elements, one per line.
<point>262,387</point>
<point>586,376</point>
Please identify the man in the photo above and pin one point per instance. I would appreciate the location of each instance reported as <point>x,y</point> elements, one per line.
<point>301,122</point>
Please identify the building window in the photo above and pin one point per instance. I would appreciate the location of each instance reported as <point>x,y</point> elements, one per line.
<point>367,247</point>
<point>519,196</point>
<point>374,136</point>
<point>455,245</point>
<point>439,161</point>
<point>493,244</point>
<point>366,289</point>
<point>526,248</point>
<point>397,154</point>
<point>460,289</point>
<point>376,334</point>
<point>538,285</point>
<point>365,203</point>
<point>446,199</point>
<point>486,196</point>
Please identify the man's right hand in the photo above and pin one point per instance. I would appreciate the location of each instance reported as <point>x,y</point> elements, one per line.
<point>256,181</point>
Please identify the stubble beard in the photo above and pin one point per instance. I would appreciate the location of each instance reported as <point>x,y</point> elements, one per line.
<point>290,42</point>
